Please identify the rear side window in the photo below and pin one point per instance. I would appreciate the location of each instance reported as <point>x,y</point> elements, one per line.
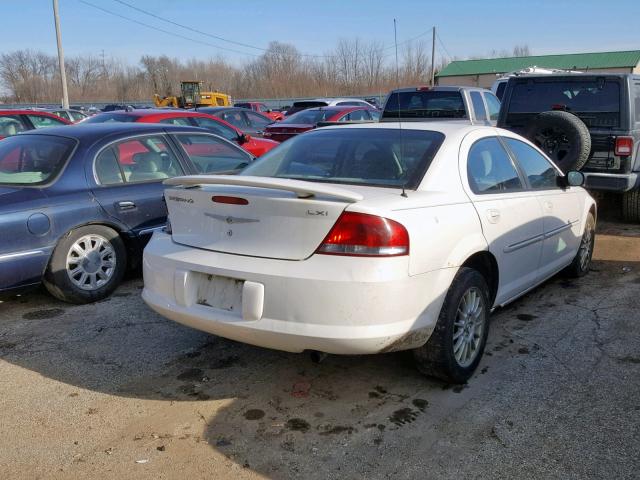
<point>42,121</point>
<point>235,118</point>
<point>493,104</point>
<point>211,155</point>
<point>539,171</point>
<point>478,106</point>
<point>10,125</point>
<point>137,160</point>
<point>500,90</point>
<point>176,121</point>
<point>110,117</point>
<point>364,156</point>
<point>489,168</point>
<point>33,159</point>
<point>427,104</point>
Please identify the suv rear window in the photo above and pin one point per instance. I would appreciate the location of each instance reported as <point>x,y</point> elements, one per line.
<point>33,159</point>
<point>427,104</point>
<point>595,101</point>
<point>363,156</point>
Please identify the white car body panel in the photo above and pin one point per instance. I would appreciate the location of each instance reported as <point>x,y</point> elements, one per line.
<point>264,285</point>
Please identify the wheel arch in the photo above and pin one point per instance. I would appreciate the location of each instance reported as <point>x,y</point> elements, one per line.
<point>485,263</point>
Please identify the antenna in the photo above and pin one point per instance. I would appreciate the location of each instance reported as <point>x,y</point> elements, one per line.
<point>395,41</point>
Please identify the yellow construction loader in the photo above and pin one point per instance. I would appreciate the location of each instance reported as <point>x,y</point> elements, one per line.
<point>193,97</point>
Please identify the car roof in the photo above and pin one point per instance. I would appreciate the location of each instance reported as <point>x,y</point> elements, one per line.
<point>426,88</point>
<point>445,127</point>
<point>42,112</point>
<point>83,131</point>
<point>148,112</point>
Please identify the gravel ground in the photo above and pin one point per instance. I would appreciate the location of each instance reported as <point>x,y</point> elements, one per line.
<point>112,390</point>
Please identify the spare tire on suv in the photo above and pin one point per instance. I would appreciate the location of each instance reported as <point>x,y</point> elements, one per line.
<point>563,137</point>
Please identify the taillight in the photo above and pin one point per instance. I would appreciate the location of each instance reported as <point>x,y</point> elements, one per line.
<point>229,200</point>
<point>624,146</point>
<point>360,234</point>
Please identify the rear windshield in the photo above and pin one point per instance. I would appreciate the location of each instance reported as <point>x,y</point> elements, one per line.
<point>33,159</point>
<point>309,116</point>
<point>596,101</point>
<point>309,104</point>
<point>242,105</point>
<point>425,104</point>
<point>362,156</point>
<point>111,117</point>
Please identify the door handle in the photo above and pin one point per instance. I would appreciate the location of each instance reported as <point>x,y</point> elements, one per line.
<point>493,215</point>
<point>126,205</point>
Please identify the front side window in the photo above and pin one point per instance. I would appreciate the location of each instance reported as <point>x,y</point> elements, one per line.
<point>257,120</point>
<point>140,159</point>
<point>478,106</point>
<point>489,168</point>
<point>11,125</point>
<point>217,127</point>
<point>376,157</point>
<point>212,155</point>
<point>33,159</point>
<point>42,121</point>
<point>235,118</point>
<point>539,171</point>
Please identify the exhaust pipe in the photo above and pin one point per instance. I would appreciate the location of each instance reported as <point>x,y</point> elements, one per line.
<point>318,357</point>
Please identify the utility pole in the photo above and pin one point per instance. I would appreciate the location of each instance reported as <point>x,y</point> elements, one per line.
<point>63,76</point>
<point>433,57</point>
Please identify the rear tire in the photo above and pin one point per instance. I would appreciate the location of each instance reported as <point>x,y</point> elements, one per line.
<point>562,136</point>
<point>463,323</point>
<point>631,206</point>
<point>582,261</point>
<point>87,265</point>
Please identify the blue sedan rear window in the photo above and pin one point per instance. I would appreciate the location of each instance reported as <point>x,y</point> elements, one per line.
<point>33,159</point>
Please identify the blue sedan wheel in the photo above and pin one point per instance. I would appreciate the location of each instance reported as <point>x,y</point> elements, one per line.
<point>87,264</point>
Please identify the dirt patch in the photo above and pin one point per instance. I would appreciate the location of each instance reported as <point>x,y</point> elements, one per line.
<point>43,314</point>
<point>254,414</point>
<point>298,425</point>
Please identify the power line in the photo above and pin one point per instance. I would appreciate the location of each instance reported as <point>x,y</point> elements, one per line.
<point>152,27</point>
<point>443,47</point>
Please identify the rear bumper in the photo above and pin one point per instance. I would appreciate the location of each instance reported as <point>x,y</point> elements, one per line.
<point>23,268</point>
<point>617,182</point>
<point>331,304</point>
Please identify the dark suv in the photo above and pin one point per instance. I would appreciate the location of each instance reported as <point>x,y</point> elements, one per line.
<point>583,121</point>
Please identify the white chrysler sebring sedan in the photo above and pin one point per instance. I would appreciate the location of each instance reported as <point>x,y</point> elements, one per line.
<point>370,238</point>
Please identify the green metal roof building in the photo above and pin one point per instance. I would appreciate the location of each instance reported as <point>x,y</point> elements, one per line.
<point>482,73</point>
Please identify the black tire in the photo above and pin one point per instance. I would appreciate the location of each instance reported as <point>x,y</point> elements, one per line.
<point>563,137</point>
<point>436,358</point>
<point>582,261</point>
<point>631,206</point>
<point>58,276</point>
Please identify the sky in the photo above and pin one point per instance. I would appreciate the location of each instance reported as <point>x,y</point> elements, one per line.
<point>465,27</point>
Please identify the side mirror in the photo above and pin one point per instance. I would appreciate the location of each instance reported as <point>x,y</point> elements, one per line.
<point>243,138</point>
<point>575,178</point>
<point>269,110</point>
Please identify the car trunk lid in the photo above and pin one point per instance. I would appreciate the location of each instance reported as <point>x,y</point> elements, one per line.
<point>254,216</point>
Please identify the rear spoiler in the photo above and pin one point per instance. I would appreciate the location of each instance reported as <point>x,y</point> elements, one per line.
<point>301,188</point>
<point>350,122</point>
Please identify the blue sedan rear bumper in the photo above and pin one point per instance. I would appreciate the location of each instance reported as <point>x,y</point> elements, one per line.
<point>23,268</point>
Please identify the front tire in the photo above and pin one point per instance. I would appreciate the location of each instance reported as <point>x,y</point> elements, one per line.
<point>87,265</point>
<point>455,348</point>
<point>580,265</point>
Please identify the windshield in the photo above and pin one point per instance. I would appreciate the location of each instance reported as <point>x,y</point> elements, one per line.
<point>425,104</point>
<point>597,101</point>
<point>310,116</point>
<point>362,156</point>
<point>32,159</point>
<point>110,117</point>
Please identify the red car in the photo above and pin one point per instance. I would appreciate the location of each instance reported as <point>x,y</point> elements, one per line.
<point>16,121</point>
<point>261,108</point>
<point>255,146</point>
<point>308,119</point>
